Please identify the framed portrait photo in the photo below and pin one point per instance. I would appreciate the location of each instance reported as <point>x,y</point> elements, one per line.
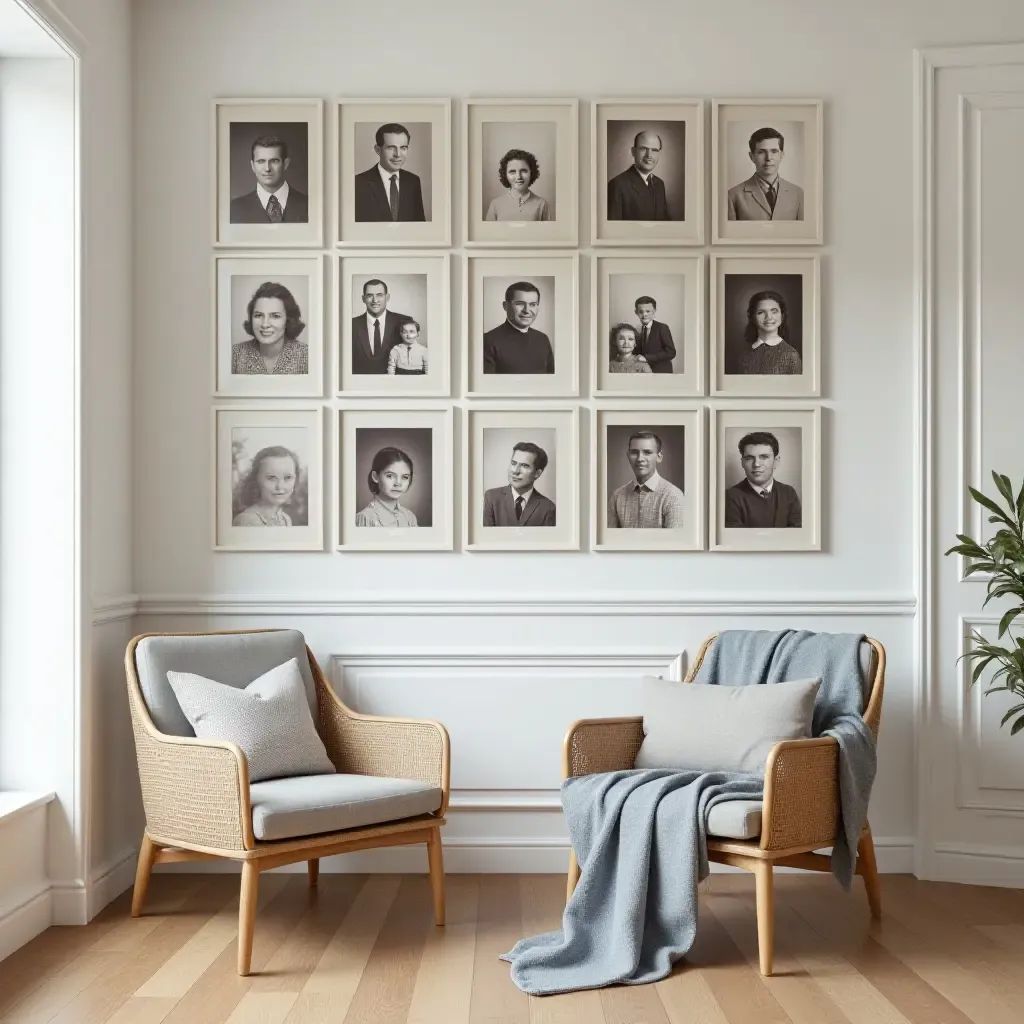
<point>521,479</point>
<point>647,161</point>
<point>393,328</point>
<point>521,325</point>
<point>648,479</point>
<point>268,175</point>
<point>765,325</point>
<point>521,165</point>
<point>269,325</point>
<point>765,479</point>
<point>767,164</point>
<point>647,325</point>
<point>395,487</point>
<point>268,479</point>
<point>394,172</point>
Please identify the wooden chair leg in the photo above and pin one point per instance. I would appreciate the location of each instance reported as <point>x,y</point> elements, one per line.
<point>765,889</point>
<point>574,875</point>
<point>143,873</point>
<point>247,914</point>
<point>313,868</point>
<point>435,859</point>
<point>867,866</point>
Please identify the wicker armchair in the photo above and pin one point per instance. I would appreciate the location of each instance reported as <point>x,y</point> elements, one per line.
<point>800,809</point>
<point>196,792</point>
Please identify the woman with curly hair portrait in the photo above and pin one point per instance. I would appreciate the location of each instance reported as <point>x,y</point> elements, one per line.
<point>273,322</point>
<point>517,171</point>
<point>767,349</point>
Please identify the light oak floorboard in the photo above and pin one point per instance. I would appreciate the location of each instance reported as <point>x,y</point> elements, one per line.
<point>263,1008</point>
<point>495,999</point>
<point>142,1010</point>
<point>688,998</point>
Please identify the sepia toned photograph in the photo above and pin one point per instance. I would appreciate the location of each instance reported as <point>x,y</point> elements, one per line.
<point>521,485</point>
<point>648,479</point>
<point>647,160</point>
<point>394,177</point>
<point>268,326</point>
<point>269,172</point>
<point>394,325</point>
<point>521,325</point>
<point>268,479</point>
<point>648,325</point>
<point>395,479</point>
<point>521,172</point>
<point>765,479</point>
<point>765,325</point>
<point>768,171</point>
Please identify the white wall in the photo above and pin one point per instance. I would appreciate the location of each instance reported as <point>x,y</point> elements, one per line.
<point>859,60</point>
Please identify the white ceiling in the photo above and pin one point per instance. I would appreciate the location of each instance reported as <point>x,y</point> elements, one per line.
<point>21,36</point>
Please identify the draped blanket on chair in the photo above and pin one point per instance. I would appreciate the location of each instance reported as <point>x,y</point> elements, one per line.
<point>640,837</point>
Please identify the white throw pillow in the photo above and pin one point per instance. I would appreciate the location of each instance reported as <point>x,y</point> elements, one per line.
<point>693,726</point>
<point>269,719</point>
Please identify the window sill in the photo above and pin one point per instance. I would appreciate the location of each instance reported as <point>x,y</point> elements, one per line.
<point>13,803</point>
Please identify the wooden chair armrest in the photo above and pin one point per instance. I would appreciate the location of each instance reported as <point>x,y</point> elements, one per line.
<point>195,792</point>
<point>601,745</point>
<point>801,794</point>
<point>400,748</point>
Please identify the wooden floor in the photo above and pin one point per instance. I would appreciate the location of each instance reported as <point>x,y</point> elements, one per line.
<point>363,950</point>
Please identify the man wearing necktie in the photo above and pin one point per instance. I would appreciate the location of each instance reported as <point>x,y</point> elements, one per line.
<point>765,195</point>
<point>520,504</point>
<point>654,342</point>
<point>388,192</point>
<point>637,193</point>
<point>648,501</point>
<point>274,200</point>
<point>377,331</point>
<point>759,501</point>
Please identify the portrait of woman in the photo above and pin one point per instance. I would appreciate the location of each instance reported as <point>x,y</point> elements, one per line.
<point>623,357</point>
<point>268,488</point>
<point>390,477</point>
<point>518,170</point>
<point>765,334</point>
<point>273,322</point>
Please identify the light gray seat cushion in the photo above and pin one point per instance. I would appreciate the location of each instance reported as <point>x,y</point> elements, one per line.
<point>235,659</point>
<point>735,819</point>
<point>310,804</point>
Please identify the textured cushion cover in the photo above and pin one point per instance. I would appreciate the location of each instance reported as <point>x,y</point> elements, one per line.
<point>735,819</point>
<point>269,719</point>
<point>308,805</point>
<point>693,726</point>
<point>234,659</point>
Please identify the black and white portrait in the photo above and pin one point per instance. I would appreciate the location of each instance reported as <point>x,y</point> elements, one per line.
<point>390,330</point>
<point>652,305</point>
<point>523,316</point>
<point>766,325</point>
<point>648,159</point>
<point>648,484</point>
<point>768,171</point>
<point>269,481</point>
<point>648,172</point>
<point>395,483</point>
<point>522,172</point>
<point>394,477</point>
<point>645,476</point>
<point>270,167</point>
<point>269,333</point>
<point>520,477</point>
<point>395,185</point>
<point>765,479</point>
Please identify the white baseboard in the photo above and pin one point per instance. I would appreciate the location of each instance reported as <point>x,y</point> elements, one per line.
<point>23,921</point>
<point>76,903</point>
<point>977,865</point>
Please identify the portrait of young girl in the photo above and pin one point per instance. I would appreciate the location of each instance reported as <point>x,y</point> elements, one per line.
<point>389,480</point>
<point>273,491</point>
<point>623,357</point>
<point>766,334</point>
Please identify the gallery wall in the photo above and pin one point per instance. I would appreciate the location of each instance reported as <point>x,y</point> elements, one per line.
<point>508,648</point>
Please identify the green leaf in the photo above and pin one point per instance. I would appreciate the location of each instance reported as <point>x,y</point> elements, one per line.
<point>1004,622</point>
<point>1009,714</point>
<point>1017,726</point>
<point>986,502</point>
<point>1003,484</point>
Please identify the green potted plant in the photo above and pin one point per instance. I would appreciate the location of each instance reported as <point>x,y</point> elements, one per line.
<point>1003,557</point>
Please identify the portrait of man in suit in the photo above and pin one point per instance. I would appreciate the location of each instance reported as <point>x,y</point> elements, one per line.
<point>515,346</point>
<point>647,501</point>
<point>377,331</point>
<point>766,195</point>
<point>654,342</point>
<point>274,200</point>
<point>388,192</point>
<point>637,193</point>
<point>520,503</point>
<point>759,501</point>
